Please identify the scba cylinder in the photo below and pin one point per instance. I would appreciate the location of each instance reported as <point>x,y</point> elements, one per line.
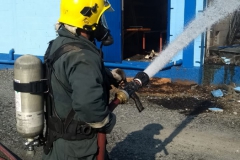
<point>29,107</point>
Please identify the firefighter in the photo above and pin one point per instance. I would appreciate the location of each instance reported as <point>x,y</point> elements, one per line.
<point>80,83</point>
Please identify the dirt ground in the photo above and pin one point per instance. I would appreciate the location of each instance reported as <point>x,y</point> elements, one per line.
<point>176,123</point>
<point>179,124</point>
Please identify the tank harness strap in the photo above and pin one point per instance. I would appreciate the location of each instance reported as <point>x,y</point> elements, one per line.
<point>36,87</point>
<point>67,129</point>
<point>70,129</point>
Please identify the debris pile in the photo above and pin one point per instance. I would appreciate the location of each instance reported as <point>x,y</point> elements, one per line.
<point>228,55</point>
<point>230,92</point>
<point>151,55</point>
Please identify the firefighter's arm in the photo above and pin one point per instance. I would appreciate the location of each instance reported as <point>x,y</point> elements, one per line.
<point>88,96</point>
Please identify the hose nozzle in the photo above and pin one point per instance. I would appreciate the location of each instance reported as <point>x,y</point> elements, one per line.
<point>142,78</point>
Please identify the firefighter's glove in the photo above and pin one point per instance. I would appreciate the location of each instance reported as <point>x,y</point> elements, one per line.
<point>119,77</point>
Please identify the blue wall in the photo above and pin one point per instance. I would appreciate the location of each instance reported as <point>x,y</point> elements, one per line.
<point>113,53</point>
<point>30,25</point>
<point>189,14</point>
<point>181,13</point>
<point>176,20</point>
<point>27,26</point>
<point>199,42</point>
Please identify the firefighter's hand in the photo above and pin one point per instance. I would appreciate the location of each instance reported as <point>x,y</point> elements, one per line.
<point>119,75</point>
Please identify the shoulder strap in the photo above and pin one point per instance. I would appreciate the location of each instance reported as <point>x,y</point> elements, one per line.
<point>64,49</point>
<point>46,55</point>
<point>51,59</point>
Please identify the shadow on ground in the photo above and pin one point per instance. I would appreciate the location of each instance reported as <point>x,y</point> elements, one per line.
<point>133,148</point>
<point>127,148</point>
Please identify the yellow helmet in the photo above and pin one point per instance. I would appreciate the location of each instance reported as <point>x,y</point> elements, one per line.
<point>84,14</point>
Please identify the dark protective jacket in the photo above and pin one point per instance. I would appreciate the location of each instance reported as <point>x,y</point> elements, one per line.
<point>83,72</point>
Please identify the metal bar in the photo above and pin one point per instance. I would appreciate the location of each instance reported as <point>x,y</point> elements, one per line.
<point>7,62</point>
<point>11,54</point>
<point>143,41</point>
<point>160,45</point>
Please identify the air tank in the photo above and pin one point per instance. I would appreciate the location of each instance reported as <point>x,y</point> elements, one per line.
<point>29,107</point>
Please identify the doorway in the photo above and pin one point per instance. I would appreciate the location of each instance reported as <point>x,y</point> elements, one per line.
<point>144,28</point>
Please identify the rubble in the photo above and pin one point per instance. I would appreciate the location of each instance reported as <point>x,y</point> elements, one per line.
<point>217,93</point>
<point>231,92</point>
<point>228,55</point>
<point>215,109</point>
<point>151,55</point>
<point>237,89</point>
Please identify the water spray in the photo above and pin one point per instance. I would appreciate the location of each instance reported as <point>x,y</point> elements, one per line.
<point>217,11</point>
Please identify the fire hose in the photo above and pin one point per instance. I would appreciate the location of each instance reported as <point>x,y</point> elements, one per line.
<point>121,97</point>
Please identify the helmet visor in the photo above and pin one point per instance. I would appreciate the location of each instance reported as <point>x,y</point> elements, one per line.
<point>106,4</point>
<point>104,21</point>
